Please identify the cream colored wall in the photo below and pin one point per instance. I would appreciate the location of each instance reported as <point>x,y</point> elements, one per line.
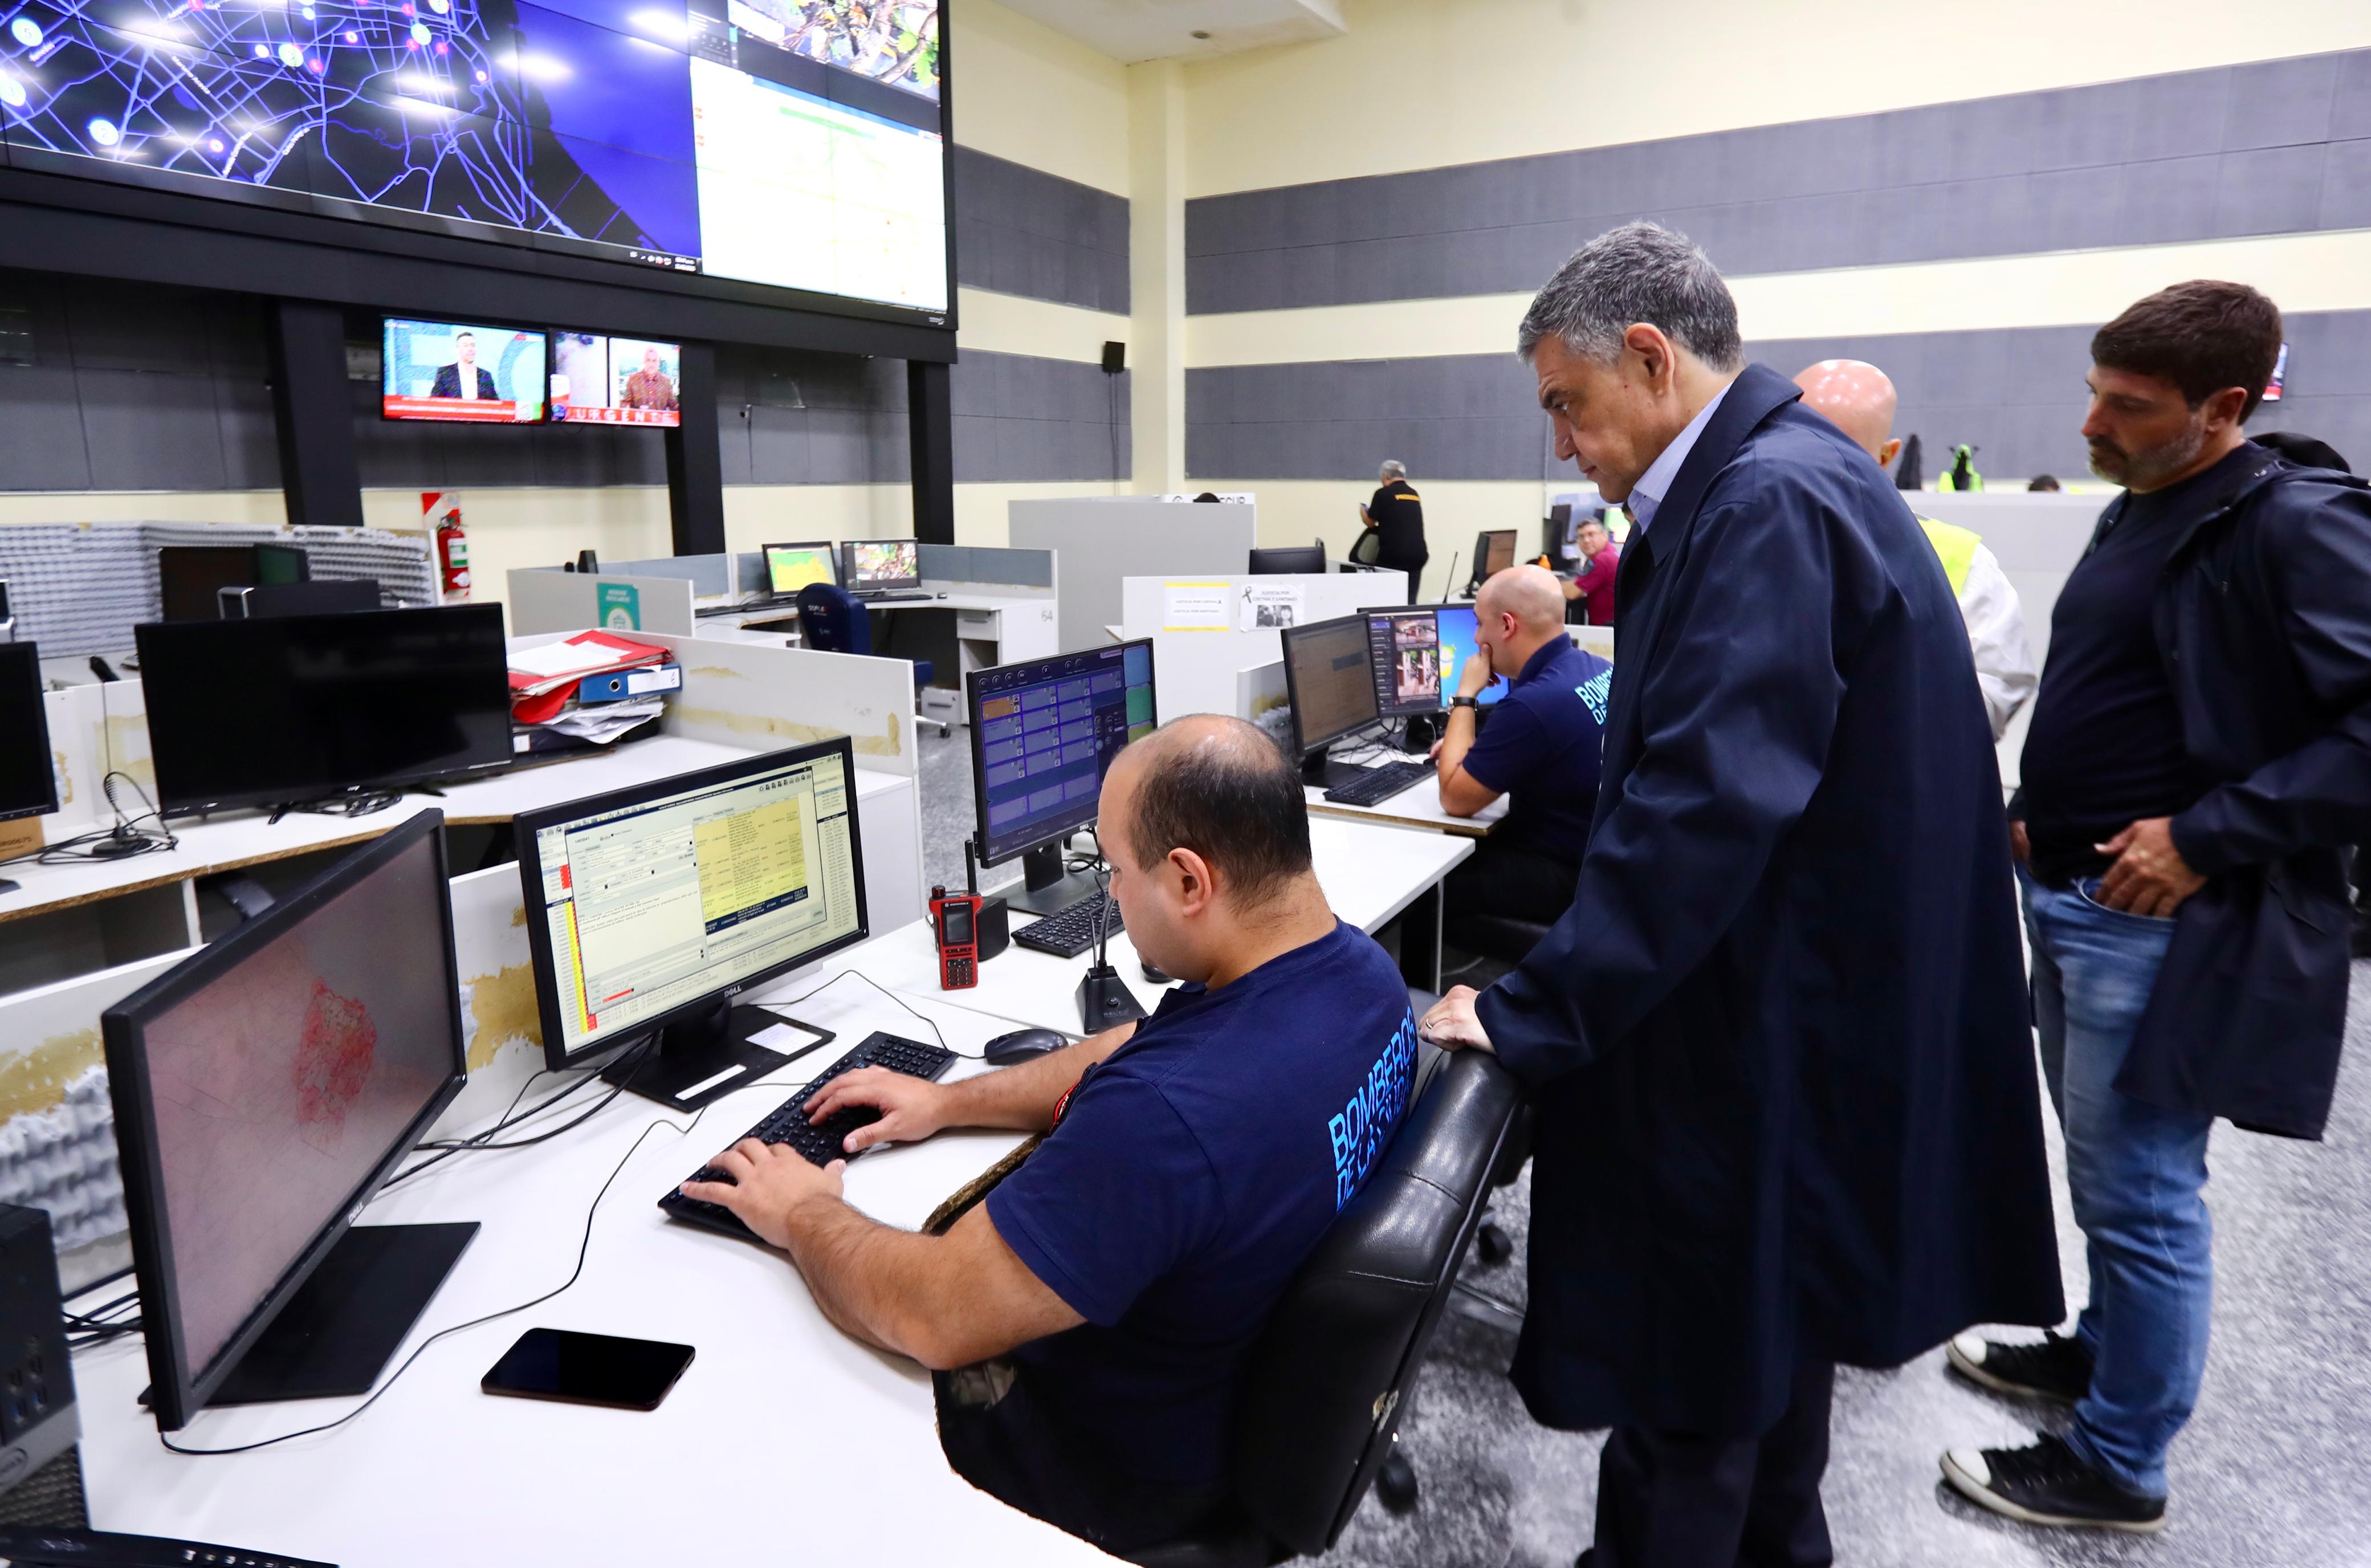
<point>1293,512</point>
<point>1026,93</point>
<point>1413,86</point>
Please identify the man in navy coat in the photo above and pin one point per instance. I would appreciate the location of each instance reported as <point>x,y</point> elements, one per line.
<point>1789,1107</point>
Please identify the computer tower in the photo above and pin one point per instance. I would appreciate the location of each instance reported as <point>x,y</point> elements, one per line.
<point>40,1474</point>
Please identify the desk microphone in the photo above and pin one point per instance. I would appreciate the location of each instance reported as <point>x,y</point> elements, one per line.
<point>1449,582</point>
<point>1104,998</point>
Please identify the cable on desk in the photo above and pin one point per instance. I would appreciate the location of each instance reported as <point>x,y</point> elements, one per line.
<point>125,840</point>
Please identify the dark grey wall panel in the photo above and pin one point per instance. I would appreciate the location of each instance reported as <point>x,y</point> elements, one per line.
<point>1019,419</point>
<point>1022,231</point>
<point>2279,147</point>
<point>2017,394</point>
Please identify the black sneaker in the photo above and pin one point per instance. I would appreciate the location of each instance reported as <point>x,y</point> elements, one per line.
<point>2047,1484</point>
<point>2058,1368</point>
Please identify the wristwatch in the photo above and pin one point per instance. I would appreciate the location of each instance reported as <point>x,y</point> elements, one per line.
<point>1463,701</point>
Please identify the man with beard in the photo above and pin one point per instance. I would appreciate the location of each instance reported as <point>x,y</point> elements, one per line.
<point>2200,754</point>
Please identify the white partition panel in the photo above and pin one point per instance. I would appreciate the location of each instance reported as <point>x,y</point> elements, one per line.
<point>1205,630</point>
<point>545,599</point>
<point>1100,540</point>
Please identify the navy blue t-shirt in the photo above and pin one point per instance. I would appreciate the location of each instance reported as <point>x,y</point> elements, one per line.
<point>1545,749</point>
<point>1191,1174</point>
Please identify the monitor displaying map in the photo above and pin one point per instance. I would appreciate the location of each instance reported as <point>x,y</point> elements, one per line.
<point>791,143</point>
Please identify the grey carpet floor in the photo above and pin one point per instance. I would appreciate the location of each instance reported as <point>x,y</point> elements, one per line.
<point>2270,1472</point>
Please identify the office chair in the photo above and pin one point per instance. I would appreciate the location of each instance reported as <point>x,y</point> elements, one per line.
<point>831,621</point>
<point>1333,1370</point>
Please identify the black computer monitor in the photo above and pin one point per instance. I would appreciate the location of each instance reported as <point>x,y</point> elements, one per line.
<point>873,565</point>
<point>190,578</point>
<point>1286,561</point>
<point>649,909</point>
<point>1494,551</point>
<point>331,596</point>
<point>1329,678</point>
<point>305,708</point>
<point>1404,656</point>
<point>1043,734</point>
<point>263,1091</point>
<point>278,565</point>
<point>27,785</point>
<point>790,567</point>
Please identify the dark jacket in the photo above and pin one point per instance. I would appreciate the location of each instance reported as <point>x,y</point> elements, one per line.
<point>2263,614</point>
<point>1789,1109</point>
<point>448,382</point>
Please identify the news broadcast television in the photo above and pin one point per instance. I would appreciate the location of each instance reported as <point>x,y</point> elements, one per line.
<point>877,565</point>
<point>1329,678</point>
<point>1043,735</point>
<point>618,381</point>
<point>28,786</point>
<point>790,567</point>
<point>649,909</point>
<point>794,144</point>
<point>301,708</point>
<point>457,371</point>
<point>263,1091</point>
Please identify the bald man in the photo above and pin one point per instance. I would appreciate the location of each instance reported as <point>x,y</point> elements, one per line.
<point>1857,398</point>
<point>1090,1321</point>
<point>1542,749</point>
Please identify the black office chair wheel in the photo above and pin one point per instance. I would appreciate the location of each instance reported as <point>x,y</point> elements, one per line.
<point>1496,1244</point>
<point>1395,1484</point>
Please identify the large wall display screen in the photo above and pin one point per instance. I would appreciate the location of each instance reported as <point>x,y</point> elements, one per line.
<point>791,143</point>
<point>445,370</point>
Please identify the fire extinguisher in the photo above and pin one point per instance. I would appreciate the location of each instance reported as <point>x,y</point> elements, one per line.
<point>453,555</point>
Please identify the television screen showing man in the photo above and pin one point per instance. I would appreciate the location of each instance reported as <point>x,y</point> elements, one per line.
<point>597,380</point>
<point>436,370</point>
<point>646,376</point>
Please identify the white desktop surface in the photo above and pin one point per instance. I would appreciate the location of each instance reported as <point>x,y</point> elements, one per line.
<point>785,1440</point>
<point>952,599</point>
<point>243,837</point>
<point>1370,874</point>
<point>1418,805</point>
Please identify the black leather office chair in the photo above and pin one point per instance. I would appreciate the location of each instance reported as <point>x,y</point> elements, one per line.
<point>1336,1364</point>
<point>1501,937</point>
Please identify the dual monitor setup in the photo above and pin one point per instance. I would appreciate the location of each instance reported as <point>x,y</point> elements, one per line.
<point>325,1037</point>
<point>866,568</point>
<point>1349,675</point>
<point>475,373</point>
<point>1494,551</point>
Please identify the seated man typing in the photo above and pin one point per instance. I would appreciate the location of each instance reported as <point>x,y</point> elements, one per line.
<point>1104,1298</point>
<point>1543,748</point>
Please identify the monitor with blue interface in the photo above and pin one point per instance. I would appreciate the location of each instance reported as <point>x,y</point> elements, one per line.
<point>1042,734</point>
<point>796,144</point>
<point>1456,624</point>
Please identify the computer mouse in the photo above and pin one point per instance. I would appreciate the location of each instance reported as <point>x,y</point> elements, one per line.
<point>942,593</point>
<point>1022,1045</point>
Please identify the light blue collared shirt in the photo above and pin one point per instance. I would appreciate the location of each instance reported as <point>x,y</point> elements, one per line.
<point>1646,495</point>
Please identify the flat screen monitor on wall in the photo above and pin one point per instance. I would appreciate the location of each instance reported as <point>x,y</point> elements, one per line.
<point>618,381</point>
<point>794,144</point>
<point>460,370</point>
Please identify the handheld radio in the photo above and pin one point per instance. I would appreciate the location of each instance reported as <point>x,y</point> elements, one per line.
<point>955,921</point>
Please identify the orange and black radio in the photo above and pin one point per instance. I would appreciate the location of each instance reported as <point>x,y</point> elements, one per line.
<point>955,920</point>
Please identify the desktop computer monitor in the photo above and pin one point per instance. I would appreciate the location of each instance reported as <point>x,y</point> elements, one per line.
<point>1456,624</point>
<point>190,578</point>
<point>1403,652</point>
<point>1043,735</point>
<point>1494,551</point>
<point>650,909</point>
<point>1286,561</point>
<point>790,567</point>
<point>303,709</point>
<point>27,786</point>
<point>263,1091</point>
<point>1329,678</point>
<point>875,565</point>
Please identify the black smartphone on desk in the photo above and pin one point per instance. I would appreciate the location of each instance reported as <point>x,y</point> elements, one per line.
<point>596,1369</point>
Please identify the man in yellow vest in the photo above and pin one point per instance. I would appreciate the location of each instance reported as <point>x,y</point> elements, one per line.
<point>1857,398</point>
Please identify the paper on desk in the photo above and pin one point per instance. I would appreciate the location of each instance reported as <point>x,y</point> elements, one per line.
<point>785,1037</point>
<point>607,721</point>
<point>574,657</point>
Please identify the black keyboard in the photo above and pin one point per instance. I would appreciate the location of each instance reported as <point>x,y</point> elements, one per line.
<point>893,597</point>
<point>1376,785</point>
<point>1070,930</point>
<point>749,606</point>
<point>818,1141</point>
<point>50,1546</point>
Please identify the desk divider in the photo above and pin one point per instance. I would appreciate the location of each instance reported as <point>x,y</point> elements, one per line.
<point>1195,670</point>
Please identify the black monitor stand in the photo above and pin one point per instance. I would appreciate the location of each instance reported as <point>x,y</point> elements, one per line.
<point>1044,886</point>
<point>344,1323</point>
<point>1320,771</point>
<point>710,1055</point>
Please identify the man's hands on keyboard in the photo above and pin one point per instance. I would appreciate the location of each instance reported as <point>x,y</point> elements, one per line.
<point>765,1184</point>
<point>904,1109</point>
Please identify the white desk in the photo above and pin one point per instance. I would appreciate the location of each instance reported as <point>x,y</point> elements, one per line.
<point>785,1439</point>
<point>1371,875</point>
<point>991,626</point>
<point>1417,806</point>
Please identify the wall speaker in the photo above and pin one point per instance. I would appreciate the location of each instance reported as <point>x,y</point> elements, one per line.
<point>1115,358</point>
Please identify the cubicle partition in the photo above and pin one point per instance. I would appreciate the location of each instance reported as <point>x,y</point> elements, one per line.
<point>1207,630</point>
<point>547,598</point>
<point>1103,540</point>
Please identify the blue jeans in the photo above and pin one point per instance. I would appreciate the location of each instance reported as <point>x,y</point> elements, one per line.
<point>2137,1175</point>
